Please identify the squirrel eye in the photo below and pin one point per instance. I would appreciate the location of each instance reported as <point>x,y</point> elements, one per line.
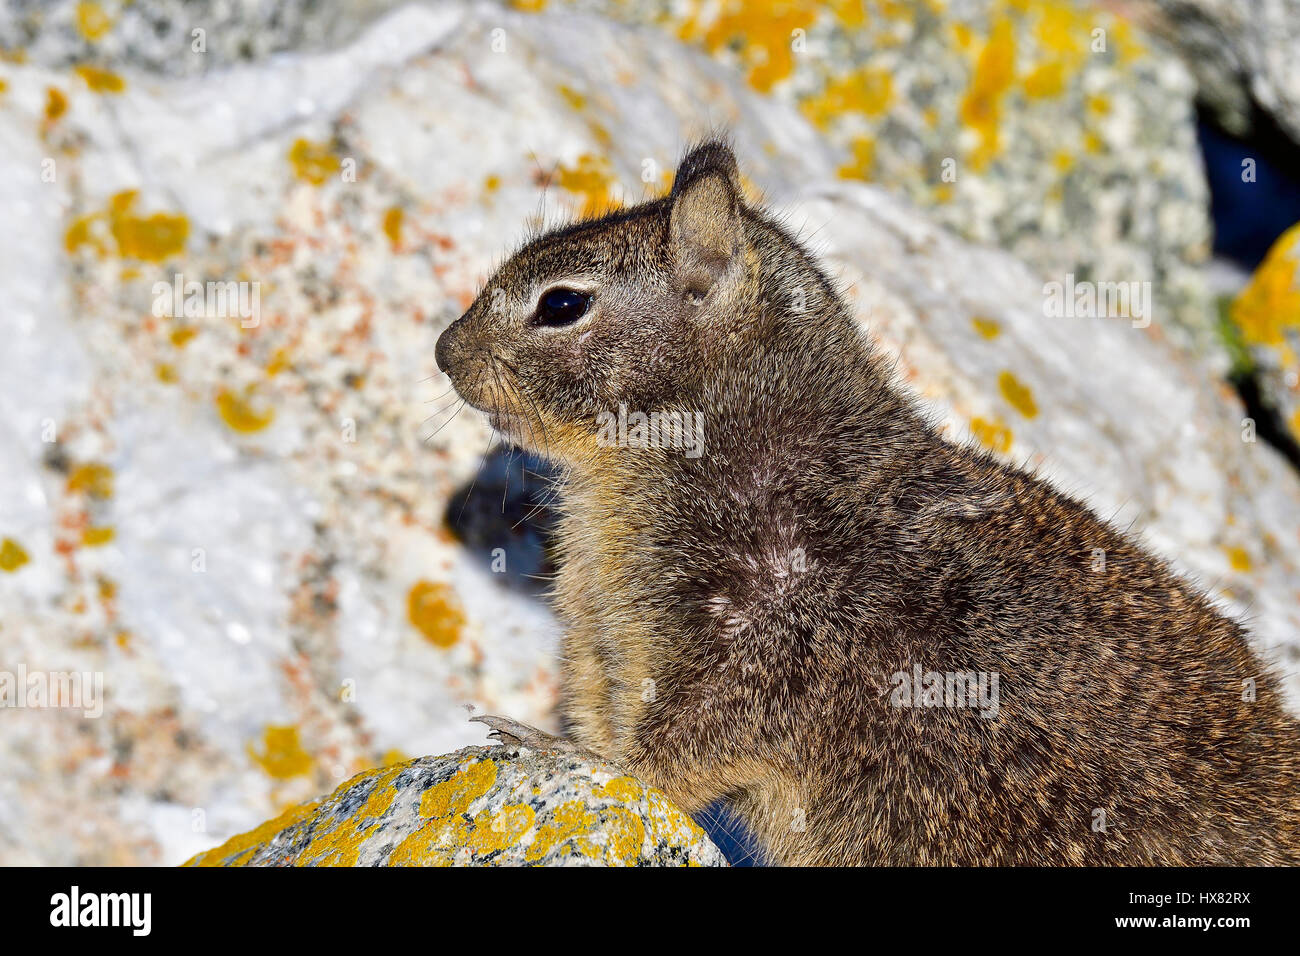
<point>562,307</point>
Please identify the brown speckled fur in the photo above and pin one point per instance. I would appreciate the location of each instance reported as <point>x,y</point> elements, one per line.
<point>704,656</point>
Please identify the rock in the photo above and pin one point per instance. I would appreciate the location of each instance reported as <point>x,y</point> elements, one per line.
<point>1055,129</point>
<point>1267,312</point>
<point>481,806</point>
<point>1243,54</point>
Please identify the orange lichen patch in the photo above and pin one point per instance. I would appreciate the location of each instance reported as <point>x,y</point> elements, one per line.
<point>591,179</point>
<point>571,96</point>
<point>869,91</point>
<point>570,821</point>
<point>12,555</point>
<point>492,832</point>
<point>92,21</point>
<point>313,162</point>
<point>341,846</point>
<point>455,795</point>
<point>97,537</point>
<point>148,238</point>
<point>4,85</point>
<point>435,612</point>
<point>93,478</point>
<point>1294,424</point>
<point>492,183</point>
<point>1047,80</point>
<point>623,789</point>
<point>1238,559</point>
<point>242,846</point>
<point>529,6</point>
<point>1017,395</point>
<point>278,363</point>
<point>987,328</point>
<point>981,108</point>
<point>1098,104</point>
<point>56,104</point>
<point>166,373</point>
<point>625,834</point>
<point>393,219</point>
<point>992,434</point>
<point>181,335</point>
<point>1270,303</point>
<point>152,238</point>
<point>282,755</point>
<point>237,412</point>
<point>100,80</point>
<point>763,43</point>
<point>863,163</point>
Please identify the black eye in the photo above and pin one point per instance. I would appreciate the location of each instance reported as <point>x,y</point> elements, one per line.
<point>562,307</point>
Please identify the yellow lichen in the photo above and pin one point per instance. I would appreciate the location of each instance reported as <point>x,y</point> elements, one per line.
<point>987,328</point>
<point>241,846</point>
<point>591,178</point>
<point>393,218</point>
<point>869,91</point>
<point>1046,80</point>
<point>455,795</point>
<point>1018,395</point>
<point>100,80</point>
<point>313,162</point>
<point>492,832</point>
<point>237,412</point>
<point>93,479</point>
<point>181,335</point>
<point>148,238</point>
<point>282,754</point>
<point>435,612</point>
<point>981,108</point>
<point>92,21</point>
<point>12,555</point>
<point>56,104</point>
<point>992,434</point>
<point>570,821</point>
<point>864,160</point>
<point>1238,558</point>
<point>1270,303</point>
<point>97,537</point>
<point>765,44</point>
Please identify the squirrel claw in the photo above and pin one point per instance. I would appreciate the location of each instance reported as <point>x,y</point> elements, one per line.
<point>513,733</point>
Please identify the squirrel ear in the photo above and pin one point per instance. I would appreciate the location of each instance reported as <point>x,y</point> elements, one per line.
<point>705,219</point>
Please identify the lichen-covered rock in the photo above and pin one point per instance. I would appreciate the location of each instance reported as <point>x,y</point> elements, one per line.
<point>481,806</point>
<point>1243,54</point>
<point>1054,129</point>
<point>1267,313</point>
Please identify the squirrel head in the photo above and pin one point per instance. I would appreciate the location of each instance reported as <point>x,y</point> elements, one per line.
<point>619,310</point>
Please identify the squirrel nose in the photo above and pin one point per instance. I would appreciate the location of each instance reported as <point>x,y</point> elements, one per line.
<point>442,352</point>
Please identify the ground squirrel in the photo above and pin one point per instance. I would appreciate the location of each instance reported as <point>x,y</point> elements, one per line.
<point>781,621</point>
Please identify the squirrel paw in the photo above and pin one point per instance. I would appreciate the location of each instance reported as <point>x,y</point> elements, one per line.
<point>513,733</point>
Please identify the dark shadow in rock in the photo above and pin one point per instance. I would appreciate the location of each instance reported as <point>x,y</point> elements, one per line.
<point>729,834</point>
<point>504,519</point>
